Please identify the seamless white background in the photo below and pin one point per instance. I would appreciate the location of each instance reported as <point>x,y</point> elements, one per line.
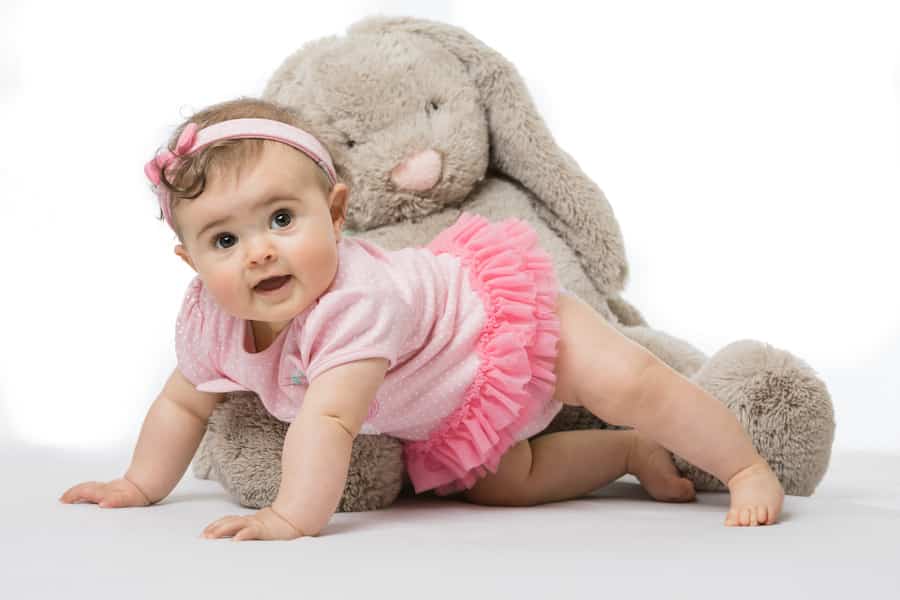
<point>750,152</point>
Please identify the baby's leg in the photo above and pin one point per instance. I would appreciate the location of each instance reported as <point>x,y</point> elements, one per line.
<point>621,382</point>
<point>570,464</point>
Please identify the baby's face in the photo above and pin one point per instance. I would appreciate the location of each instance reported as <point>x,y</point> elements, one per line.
<point>273,222</point>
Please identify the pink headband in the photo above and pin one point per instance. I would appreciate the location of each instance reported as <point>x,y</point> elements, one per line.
<point>192,140</point>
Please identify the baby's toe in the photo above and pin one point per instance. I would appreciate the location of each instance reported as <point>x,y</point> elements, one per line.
<point>732,518</point>
<point>762,513</point>
<point>746,515</point>
<point>754,517</point>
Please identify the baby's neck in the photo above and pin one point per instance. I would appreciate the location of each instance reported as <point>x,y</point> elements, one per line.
<point>264,333</point>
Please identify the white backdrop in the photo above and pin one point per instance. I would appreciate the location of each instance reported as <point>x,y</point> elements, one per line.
<point>750,153</point>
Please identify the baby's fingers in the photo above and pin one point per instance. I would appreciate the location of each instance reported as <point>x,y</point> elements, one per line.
<point>224,527</point>
<point>116,500</point>
<point>251,531</point>
<point>238,528</point>
<point>88,491</point>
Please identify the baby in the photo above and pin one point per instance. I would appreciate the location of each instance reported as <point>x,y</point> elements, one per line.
<point>464,349</point>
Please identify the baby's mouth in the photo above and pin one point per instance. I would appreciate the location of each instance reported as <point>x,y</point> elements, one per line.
<point>271,284</point>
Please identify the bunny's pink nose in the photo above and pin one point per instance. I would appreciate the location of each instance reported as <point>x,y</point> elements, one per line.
<point>419,172</point>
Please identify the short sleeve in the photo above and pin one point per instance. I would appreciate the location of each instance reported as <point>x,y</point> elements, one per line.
<point>192,337</point>
<point>349,325</point>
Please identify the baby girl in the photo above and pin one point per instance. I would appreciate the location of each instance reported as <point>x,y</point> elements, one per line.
<point>464,349</point>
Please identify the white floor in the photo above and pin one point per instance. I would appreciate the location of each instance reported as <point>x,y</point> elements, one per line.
<point>842,542</point>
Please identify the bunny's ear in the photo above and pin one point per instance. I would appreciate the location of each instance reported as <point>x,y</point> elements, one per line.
<point>523,149</point>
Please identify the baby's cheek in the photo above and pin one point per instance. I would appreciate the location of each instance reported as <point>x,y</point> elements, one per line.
<point>320,259</point>
<point>227,290</point>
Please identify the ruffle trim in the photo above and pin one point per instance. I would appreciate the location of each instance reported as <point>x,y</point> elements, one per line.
<point>514,277</point>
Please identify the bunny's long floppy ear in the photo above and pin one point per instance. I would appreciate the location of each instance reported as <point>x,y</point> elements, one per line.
<point>523,149</point>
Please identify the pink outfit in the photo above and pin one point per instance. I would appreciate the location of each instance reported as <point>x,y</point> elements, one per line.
<point>467,323</point>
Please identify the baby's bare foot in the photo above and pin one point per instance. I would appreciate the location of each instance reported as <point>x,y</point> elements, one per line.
<point>652,465</point>
<point>756,496</point>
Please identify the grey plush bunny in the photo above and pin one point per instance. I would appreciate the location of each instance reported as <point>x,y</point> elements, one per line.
<point>424,121</point>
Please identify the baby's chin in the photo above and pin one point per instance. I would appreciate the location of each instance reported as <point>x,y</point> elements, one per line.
<point>280,313</point>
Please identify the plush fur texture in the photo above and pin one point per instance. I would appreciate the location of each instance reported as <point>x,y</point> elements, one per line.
<point>391,89</point>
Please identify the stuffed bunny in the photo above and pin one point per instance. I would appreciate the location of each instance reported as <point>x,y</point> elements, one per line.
<point>425,121</point>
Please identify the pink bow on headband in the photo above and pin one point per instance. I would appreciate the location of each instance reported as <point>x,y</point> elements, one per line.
<point>161,161</point>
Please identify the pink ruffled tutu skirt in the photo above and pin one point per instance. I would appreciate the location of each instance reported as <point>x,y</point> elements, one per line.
<point>511,396</point>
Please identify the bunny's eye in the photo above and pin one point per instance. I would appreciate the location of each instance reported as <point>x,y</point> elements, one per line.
<point>432,106</point>
<point>350,143</point>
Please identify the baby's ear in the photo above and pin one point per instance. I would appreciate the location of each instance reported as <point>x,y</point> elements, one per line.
<point>337,201</point>
<point>182,252</point>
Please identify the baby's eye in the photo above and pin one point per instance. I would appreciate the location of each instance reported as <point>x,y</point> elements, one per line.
<point>281,219</point>
<point>225,241</point>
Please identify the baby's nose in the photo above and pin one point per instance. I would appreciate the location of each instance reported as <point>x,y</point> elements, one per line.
<point>419,172</point>
<point>262,258</point>
<point>260,253</point>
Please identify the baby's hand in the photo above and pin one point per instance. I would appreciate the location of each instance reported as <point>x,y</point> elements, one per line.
<point>756,496</point>
<point>118,493</point>
<point>265,524</point>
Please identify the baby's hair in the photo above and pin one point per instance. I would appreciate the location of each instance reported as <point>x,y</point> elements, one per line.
<point>188,178</point>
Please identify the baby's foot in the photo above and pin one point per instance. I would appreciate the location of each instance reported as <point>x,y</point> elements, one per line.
<point>652,465</point>
<point>756,496</point>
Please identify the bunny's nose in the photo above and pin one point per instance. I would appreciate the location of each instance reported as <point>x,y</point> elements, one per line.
<point>419,172</point>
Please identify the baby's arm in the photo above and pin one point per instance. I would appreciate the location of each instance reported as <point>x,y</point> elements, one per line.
<point>169,437</point>
<point>316,454</point>
<point>315,457</point>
